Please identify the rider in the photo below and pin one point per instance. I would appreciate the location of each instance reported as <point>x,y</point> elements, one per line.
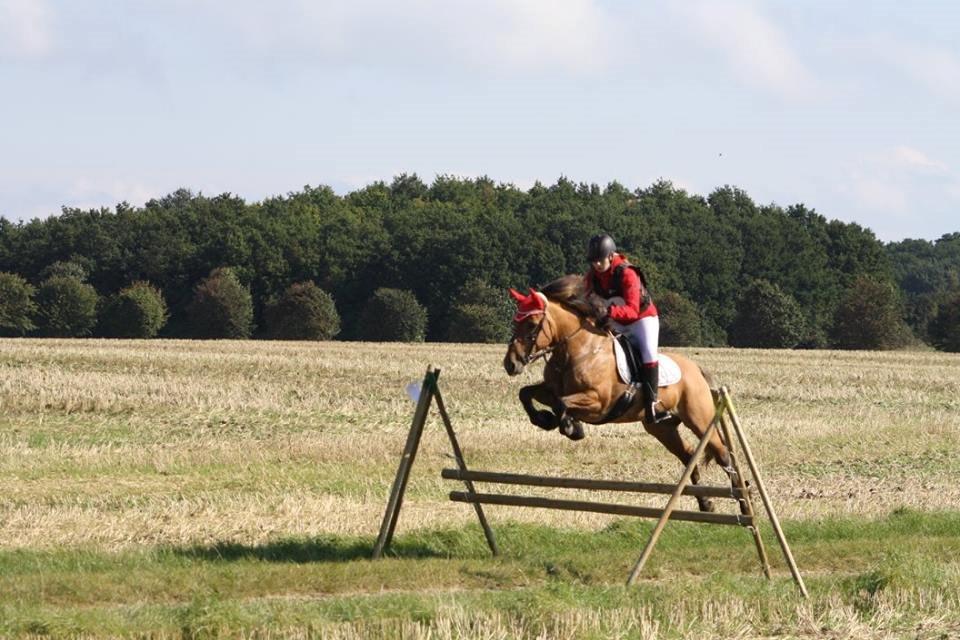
<point>611,276</point>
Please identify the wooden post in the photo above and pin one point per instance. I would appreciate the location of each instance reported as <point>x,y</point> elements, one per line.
<point>671,503</point>
<point>774,521</point>
<point>406,462</point>
<point>745,499</point>
<point>462,465</point>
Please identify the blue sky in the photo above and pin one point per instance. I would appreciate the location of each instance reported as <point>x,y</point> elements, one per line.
<point>849,107</point>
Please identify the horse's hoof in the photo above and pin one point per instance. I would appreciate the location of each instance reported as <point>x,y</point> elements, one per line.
<point>546,420</point>
<point>572,429</point>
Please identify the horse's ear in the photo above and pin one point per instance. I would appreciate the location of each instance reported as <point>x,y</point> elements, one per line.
<point>516,295</point>
<point>539,298</point>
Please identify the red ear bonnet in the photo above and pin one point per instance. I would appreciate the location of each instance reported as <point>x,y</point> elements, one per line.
<point>527,306</point>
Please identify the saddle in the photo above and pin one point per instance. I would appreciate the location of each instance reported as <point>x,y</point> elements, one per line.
<point>630,355</point>
<point>629,363</point>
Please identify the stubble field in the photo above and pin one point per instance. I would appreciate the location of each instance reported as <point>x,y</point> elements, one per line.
<point>178,488</point>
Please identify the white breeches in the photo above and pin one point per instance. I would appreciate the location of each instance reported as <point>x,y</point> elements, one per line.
<point>644,334</point>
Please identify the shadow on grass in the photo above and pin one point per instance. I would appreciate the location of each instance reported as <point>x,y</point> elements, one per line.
<point>324,549</point>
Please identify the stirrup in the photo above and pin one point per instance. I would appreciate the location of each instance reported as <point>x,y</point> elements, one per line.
<point>661,416</point>
<point>655,417</point>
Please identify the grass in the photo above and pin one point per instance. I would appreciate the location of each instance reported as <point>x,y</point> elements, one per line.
<point>888,575</point>
<point>183,489</point>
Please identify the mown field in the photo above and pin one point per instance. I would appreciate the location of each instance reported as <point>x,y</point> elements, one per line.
<point>191,489</point>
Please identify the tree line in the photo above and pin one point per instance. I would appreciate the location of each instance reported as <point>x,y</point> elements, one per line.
<point>409,260</point>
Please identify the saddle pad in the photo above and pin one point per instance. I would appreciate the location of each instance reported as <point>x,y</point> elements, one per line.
<point>669,370</point>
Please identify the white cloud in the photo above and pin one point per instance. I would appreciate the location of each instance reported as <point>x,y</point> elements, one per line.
<point>574,36</point>
<point>899,189</point>
<point>934,68</point>
<point>916,159</point>
<point>756,48</point>
<point>25,29</point>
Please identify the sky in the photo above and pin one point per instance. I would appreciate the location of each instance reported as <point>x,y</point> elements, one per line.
<point>851,108</point>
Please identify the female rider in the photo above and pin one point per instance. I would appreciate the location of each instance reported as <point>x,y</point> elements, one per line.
<point>634,314</point>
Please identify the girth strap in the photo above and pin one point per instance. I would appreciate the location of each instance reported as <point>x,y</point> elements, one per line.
<point>622,405</point>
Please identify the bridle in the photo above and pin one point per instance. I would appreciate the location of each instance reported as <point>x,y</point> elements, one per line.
<point>531,339</point>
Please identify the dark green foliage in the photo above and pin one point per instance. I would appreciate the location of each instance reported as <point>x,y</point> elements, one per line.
<point>432,238</point>
<point>869,317</point>
<point>138,311</point>
<point>945,326</point>
<point>926,273</point>
<point>477,323</point>
<point>481,313</point>
<point>679,320</point>
<point>766,318</point>
<point>393,315</point>
<point>303,312</point>
<point>221,307</point>
<point>77,268</point>
<point>16,305</point>
<point>66,307</point>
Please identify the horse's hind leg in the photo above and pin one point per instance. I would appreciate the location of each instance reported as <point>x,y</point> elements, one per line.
<point>698,416</point>
<point>669,436</point>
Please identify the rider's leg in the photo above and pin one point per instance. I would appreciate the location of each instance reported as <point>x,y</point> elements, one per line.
<point>645,333</point>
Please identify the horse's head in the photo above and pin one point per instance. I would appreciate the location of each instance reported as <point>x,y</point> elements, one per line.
<point>527,330</point>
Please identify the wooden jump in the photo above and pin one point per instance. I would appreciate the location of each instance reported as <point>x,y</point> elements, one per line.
<point>724,414</point>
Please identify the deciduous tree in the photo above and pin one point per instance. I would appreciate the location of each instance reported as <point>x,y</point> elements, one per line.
<point>393,315</point>
<point>221,307</point>
<point>16,305</point>
<point>303,312</point>
<point>766,318</point>
<point>137,311</point>
<point>66,307</point>
<point>869,316</point>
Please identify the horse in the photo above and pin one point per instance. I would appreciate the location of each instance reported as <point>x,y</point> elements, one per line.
<point>580,381</point>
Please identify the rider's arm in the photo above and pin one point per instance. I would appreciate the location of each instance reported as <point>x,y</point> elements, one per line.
<point>630,309</point>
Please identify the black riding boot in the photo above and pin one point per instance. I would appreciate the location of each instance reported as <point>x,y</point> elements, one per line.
<point>650,380</point>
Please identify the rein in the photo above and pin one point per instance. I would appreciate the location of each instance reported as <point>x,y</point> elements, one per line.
<point>533,356</point>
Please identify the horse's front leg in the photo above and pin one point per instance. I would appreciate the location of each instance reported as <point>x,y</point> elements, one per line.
<point>546,420</point>
<point>576,406</point>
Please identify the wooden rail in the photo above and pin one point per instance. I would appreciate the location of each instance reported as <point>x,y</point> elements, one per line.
<point>705,491</point>
<point>597,507</point>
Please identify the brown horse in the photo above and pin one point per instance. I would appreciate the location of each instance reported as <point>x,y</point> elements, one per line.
<point>580,381</point>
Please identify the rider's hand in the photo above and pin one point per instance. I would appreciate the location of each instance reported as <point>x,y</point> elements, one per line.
<point>606,324</point>
<point>600,309</point>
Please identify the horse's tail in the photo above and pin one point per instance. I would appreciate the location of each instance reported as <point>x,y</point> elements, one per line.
<point>712,383</point>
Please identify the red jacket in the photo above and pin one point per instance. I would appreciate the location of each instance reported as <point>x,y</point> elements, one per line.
<point>631,290</point>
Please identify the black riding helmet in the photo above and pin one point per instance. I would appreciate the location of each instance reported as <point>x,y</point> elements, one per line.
<point>600,247</point>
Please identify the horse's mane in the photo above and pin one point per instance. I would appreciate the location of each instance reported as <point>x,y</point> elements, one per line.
<point>571,291</point>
